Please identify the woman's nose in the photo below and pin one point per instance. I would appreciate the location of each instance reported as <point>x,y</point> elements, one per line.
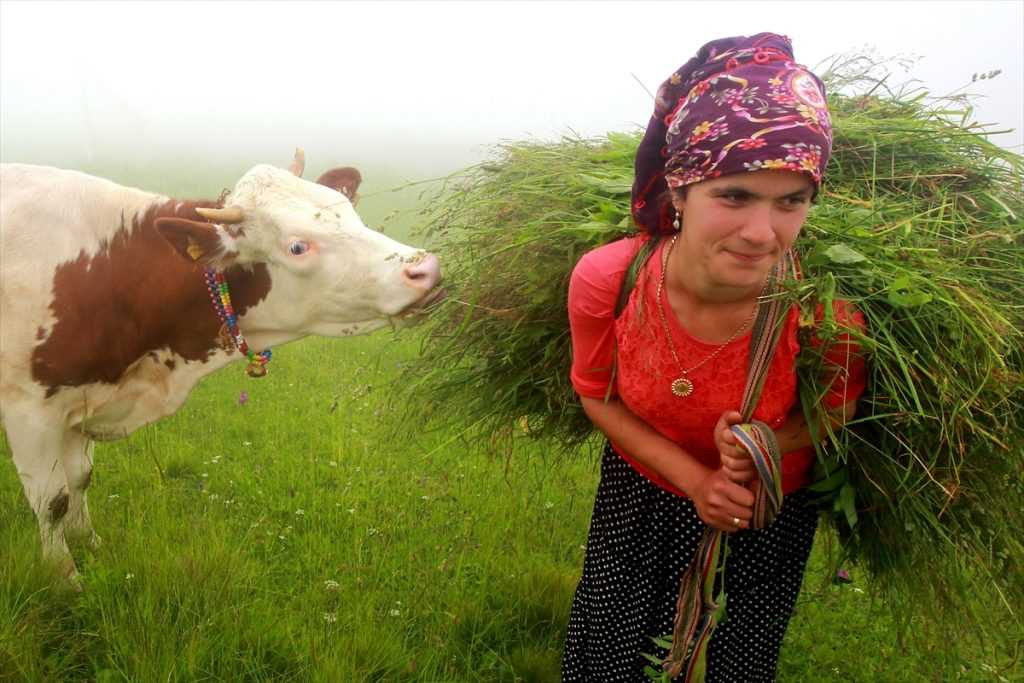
<point>758,227</point>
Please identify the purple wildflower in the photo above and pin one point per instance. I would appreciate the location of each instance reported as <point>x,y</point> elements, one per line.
<point>243,398</point>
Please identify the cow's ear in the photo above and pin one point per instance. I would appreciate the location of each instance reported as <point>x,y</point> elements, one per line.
<point>195,240</point>
<point>345,180</point>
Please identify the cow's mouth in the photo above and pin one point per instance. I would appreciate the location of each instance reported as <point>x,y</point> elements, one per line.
<point>418,308</point>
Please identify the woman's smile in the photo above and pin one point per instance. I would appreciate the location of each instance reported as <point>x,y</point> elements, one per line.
<point>748,258</point>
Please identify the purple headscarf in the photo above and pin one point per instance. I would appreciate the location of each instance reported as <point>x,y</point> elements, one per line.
<point>741,104</point>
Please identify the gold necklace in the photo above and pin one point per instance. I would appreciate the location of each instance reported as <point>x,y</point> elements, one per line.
<point>682,386</point>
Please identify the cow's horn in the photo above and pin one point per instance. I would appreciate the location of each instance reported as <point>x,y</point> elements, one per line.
<point>232,215</point>
<point>298,163</point>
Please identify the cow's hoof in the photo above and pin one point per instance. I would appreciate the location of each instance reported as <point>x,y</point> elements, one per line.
<point>73,583</point>
<point>68,576</point>
<point>94,541</point>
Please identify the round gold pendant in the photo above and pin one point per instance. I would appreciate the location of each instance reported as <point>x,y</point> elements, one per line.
<point>682,387</point>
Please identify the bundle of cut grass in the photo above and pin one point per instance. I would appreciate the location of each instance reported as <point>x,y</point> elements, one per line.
<point>919,225</point>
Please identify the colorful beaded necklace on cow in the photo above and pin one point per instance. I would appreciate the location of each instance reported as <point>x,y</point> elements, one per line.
<point>221,299</point>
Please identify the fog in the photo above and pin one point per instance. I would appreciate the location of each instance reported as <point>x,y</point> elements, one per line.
<point>424,86</point>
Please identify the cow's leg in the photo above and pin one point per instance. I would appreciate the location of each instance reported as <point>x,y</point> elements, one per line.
<point>76,457</point>
<point>37,448</point>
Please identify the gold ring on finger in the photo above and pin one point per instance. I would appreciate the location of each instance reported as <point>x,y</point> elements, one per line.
<point>736,522</point>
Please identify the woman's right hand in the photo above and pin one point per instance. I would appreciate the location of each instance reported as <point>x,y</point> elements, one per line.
<point>720,502</point>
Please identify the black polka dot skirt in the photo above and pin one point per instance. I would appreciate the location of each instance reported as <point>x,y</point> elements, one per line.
<point>642,538</point>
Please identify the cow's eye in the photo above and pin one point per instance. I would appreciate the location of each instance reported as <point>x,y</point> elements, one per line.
<point>298,248</point>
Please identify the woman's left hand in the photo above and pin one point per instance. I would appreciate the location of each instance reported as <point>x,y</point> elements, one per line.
<point>736,461</point>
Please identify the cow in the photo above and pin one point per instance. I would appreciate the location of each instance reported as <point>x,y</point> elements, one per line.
<point>115,302</point>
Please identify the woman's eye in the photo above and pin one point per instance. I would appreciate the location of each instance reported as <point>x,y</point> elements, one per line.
<point>298,248</point>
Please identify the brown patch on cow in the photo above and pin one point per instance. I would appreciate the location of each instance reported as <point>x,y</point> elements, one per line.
<point>135,296</point>
<point>170,363</point>
<point>41,333</point>
<point>59,506</point>
<point>345,180</point>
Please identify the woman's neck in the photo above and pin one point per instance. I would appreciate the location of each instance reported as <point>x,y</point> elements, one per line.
<point>707,310</point>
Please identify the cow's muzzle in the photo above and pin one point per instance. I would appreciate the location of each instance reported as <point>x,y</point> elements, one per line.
<point>425,274</point>
<point>425,277</point>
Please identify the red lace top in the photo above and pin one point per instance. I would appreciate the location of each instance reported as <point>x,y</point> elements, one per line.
<point>645,367</point>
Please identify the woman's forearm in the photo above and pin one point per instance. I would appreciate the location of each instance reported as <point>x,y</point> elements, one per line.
<point>645,444</point>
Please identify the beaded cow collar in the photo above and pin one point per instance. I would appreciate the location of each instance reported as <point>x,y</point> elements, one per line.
<point>220,297</point>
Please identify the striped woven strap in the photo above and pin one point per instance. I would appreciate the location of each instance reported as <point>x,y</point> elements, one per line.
<point>698,608</point>
<point>759,440</point>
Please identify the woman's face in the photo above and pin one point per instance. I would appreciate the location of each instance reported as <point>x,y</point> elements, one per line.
<point>734,228</point>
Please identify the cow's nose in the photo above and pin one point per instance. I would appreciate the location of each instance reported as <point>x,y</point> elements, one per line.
<point>425,274</point>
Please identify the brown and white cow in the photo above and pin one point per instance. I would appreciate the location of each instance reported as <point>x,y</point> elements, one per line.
<point>106,323</point>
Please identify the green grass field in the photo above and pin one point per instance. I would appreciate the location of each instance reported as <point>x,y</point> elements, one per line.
<point>312,535</point>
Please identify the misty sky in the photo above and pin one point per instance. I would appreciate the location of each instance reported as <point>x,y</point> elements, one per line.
<point>423,85</point>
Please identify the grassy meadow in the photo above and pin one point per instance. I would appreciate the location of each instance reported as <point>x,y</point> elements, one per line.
<point>310,533</point>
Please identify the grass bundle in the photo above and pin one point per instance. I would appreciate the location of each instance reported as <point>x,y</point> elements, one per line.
<point>919,225</point>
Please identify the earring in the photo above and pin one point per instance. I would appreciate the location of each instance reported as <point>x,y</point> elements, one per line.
<point>675,223</point>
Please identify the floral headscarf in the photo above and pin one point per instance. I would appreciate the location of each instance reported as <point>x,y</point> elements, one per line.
<point>741,104</point>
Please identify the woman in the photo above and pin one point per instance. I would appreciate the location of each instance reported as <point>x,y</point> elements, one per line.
<point>725,175</point>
